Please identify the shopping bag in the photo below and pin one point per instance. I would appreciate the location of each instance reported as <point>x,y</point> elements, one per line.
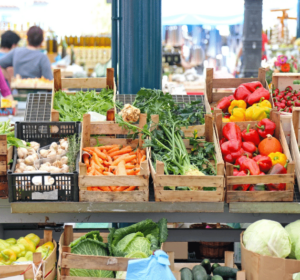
<point>156,267</point>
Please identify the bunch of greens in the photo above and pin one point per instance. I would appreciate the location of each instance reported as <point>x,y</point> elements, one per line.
<point>90,244</point>
<point>155,102</point>
<point>73,150</point>
<point>8,130</point>
<point>72,107</point>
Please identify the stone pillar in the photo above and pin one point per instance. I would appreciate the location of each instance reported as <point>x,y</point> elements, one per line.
<point>252,38</point>
<point>140,51</point>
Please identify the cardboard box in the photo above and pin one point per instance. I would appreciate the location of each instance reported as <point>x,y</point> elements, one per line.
<point>260,267</point>
<point>180,249</point>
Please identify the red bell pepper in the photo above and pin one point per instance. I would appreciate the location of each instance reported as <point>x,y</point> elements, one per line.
<point>250,135</point>
<point>231,147</point>
<point>231,131</point>
<point>249,147</point>
<point>223,140</point>
<point>247,154</point>
<point>265,127</point>
<point>264,162</point>
<point>239,161</point>
<point>241,187</point>
<point>297,103</point>
<point>235,171</point>
<point>277,169</point>
<point>241,93</point>
<point>252,86</point>
<point>257,95</point>
<point>224,103</point>
<point>251,165</point>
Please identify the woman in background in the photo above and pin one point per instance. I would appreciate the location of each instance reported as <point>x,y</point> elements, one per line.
<point>29,62</point>
<point>5,91</point>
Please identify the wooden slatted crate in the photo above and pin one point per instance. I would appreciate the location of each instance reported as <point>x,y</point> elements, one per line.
<point>62,83</point>
<point>213,86</point>
<point>248,196</point>
<point>5,156</point>
<point>48,268</point>
<point>84,181</point>
<point>160,180</point>
<point>228,261</point>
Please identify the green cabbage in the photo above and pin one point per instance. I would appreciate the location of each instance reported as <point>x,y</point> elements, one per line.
<point>296,276</point>
<point>267,238</point>
<point>293,230</point>
<point>90,247</point>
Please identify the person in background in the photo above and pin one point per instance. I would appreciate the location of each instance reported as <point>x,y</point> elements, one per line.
<point>29,62</point>
<point>4,88</point>
<point>9,40</point>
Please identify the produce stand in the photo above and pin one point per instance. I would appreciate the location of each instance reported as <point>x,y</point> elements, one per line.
<point>5,156</point>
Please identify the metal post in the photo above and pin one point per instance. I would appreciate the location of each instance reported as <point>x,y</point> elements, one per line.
<point>140,45</point>
<point>252,38</point>
<point>114,36</point>
<point>298,19</point>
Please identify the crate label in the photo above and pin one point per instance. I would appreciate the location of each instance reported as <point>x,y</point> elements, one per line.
<point>49,195</point>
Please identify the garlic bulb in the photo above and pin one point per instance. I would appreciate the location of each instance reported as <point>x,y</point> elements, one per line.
<point>18,171</point>
<point>64,145</point>
<point>65,168</point>
<point>44,153</point>
<point>46,164</point>
<point>63,140</point>
<point>34,145</point>
<point>44,168</point>
<point>29,168</point>
<point>51,154</point>
<point>22,166</point>
<point>22,153</point>
<point>31,151</point>
<point>57,163</point>
<point>30,159</point>
<point>20,160</point>
<point>60,151</point>
<point>64,160</point>
<point>53,146</point>
<point>54,169</point>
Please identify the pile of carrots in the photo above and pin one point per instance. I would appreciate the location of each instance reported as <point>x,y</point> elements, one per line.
<point>113,160</point>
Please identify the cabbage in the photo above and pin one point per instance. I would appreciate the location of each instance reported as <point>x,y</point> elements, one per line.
<point>122,274</point>
<point>267,238</point>
<point>296,276</point>
<point>293,230</point>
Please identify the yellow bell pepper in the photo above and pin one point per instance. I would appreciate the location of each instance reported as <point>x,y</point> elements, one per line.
<point>49,245</point>
<point>238,115</point>
<point>225,120</point>
<point>278,158</point>
<point>237,104</point>
<point>29,245</point>
<point>34,238</point>
<point>29,256</point>
<point>23,259</point>
<point>262,104</point>
<point>7,256</point>
<point>254,113</point>
<point>3,244</point>
<point>19,249</point>
<point>11,241</point>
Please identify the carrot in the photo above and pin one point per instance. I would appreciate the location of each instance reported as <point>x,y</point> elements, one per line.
<point>121,170</point>
<point>126,158</point>
<point>138,155</point>
<point>143,158</point>
<point>143,152</point>
<point>86,160</point>
<point>114,150</point>
<point>101,154</point>
<point>121,189</point>
<point>121,152</point>
<point>109,159</point>
<point>105,189</point>
<point>129,166</point>
<point>107,148</point>
<point>134,161</point>
<point>132,188</point>
<point>108,173</point>
<point>88,149</point>
<point>97,160</point>
<point>133,171</point>
<point>97,173</point>
<point>96,166</point>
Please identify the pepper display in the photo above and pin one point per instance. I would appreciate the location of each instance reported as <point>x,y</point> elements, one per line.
<point>242,93</point>
<point>251,166</point>
<point>231,150</point>
<point>278,158</point>
<point>7,256</point>
<point>249,147</point>
<point>238,115</point>
<point>264,162</point>
<point>224,103</point>
<point>242,187</point>
<point>256,96</point>
<point>277,169</point>
<point>231,131</point>
<point>255,113</point>
<point>265,127</point>
<point>250,135</point>
<point>237,104</point>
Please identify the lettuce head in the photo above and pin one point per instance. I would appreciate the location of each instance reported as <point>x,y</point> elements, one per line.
<point>267,238</point>
<point>293,229</point>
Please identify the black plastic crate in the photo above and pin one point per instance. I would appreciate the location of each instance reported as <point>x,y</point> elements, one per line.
<point>35,186</point>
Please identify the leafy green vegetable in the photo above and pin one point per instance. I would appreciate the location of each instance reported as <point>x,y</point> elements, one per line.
<point>73,107</point>
<point>90,247</point>
<point>93,235</point>
<point>12,141</point>
<point>293,229</point>
<point>73,150</point>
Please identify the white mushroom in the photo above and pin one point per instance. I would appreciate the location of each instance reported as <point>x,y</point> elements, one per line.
<point>22,153</point>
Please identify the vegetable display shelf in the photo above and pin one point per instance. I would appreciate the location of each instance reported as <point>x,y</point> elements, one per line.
<point>65,185</point>
<point>213,86</point>
<point>141,181</point>
<point>6,156</point>
<point>38,107</point>
<point>257,196</point>
<point>48,268</point>
<point>281,81</point>
<point>81,84</point>
<point>160,180</point>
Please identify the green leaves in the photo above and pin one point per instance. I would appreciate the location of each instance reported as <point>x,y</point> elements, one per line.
<point>72,107</point>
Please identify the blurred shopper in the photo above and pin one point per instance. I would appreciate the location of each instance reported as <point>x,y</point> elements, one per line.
<point>29,62</point>
<point>4,88</point>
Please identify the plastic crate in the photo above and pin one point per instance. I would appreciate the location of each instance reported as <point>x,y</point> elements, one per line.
<point>34,186</point>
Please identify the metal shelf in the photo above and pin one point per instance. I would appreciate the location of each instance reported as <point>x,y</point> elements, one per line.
<point>38,107</point>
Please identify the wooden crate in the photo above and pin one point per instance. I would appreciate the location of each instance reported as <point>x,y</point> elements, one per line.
<point>281,81</point>
<point>213,86</point>
<point>160,180</point>
<point>62,83</point>
<point>48,268</point>
<point>68,260</point>
<point>294,140</point>
<point>248,196</point>
<point>84,181</point>
<point>228,261</point>
<point>5,156</point>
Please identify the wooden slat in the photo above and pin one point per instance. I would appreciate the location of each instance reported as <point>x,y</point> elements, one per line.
<point>84,278</point>
<point>86,132</point>
<point>107,128</point>
<point>47,236</point>
<point>113,141</point>
<point>191,181</point>
<point>65,271</point>
<point>240,196</point>
<point>57,80</point>
<point>231,82</point>
<point>267,179</point>
<point>51,260</point>
<point>218,95</point>
<point>68,235</point>
<point>295,120</point>
<point>229,259</point>
<point>110,77</point>
<point>3,145</point>
<point>94,262</point>
<point>83,83</point>
<point>209,131</point>
<point>133,196</point>
<point>209,84</point>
